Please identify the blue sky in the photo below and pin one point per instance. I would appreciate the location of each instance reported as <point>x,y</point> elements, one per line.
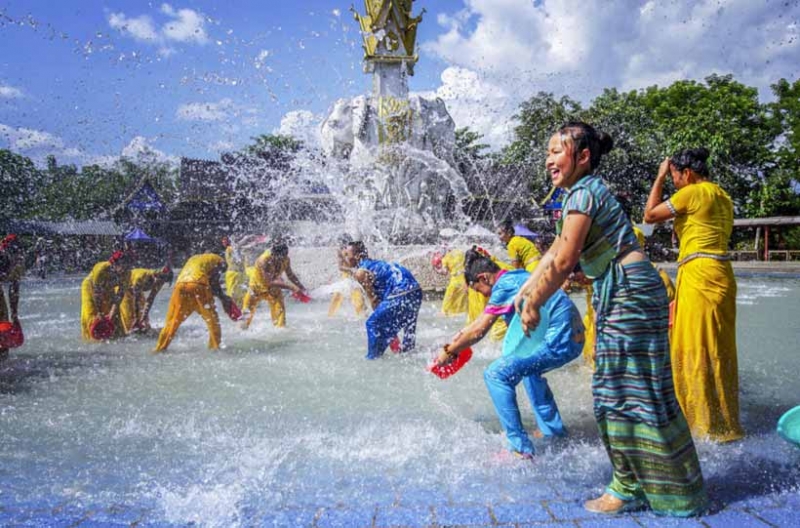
<point>90,80</point>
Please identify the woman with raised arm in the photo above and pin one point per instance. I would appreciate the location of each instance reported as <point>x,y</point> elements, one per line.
<point>640,422</point>
<point>703,338</point>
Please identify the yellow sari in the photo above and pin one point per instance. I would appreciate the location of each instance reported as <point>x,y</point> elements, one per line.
<point>703,336</point>
<point>455,296</point>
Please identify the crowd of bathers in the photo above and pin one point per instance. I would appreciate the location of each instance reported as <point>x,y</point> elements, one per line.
<point>663,357</point>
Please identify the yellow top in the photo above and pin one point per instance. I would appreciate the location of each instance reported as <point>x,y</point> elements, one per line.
<point>143,279</point>
<point>199,268</point>
<point>234,260</point>
<point>258,281</point>
<point>105,281</point>
<point>453,262</point>
<point>522,251</point>
<point>703,218</point>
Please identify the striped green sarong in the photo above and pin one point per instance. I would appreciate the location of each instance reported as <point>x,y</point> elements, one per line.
<point>640,421</point>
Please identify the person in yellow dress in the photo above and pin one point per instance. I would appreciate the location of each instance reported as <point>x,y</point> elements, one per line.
<point>235,277</point>
<point>12,268</point>
<point>102,292</point>
<point>703,335</point>
<point>267,285</point>
<point>197,285</point>
<point>522,252</point>
<point>455,300</point>
<point>356,293</point>
<point>135,307</point>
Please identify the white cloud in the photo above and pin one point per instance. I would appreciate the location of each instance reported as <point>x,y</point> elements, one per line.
<point>187,25</point>
<point>475,101</point>
<point>579,47</point>
<point>38,144</point>
<point>181,26</point>
<point>140,28</point>
<point>9,92</point>
<point>26,139</point>
<point>141,149</point>
<point>302,125</point>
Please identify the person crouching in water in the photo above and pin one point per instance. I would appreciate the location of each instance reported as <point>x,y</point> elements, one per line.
<point>102,292</point>
<point>395,296</point>
<point>197,285</point>
<point>526,360</point>
<point>135,307</point>
<point>266,284</point>
<point>12,268</point>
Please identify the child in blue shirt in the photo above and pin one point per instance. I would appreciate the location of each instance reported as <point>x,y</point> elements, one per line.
<point>394,294</point>
<point>558,341</point>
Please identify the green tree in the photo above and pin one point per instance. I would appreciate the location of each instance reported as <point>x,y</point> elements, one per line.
<point>19,183</point>
<point>723,116</point>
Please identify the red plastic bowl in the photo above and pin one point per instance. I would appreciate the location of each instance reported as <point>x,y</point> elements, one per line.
<point>302,297</point>
<point>445,371</point>
<point>11,335</point>
<point>102,328</point>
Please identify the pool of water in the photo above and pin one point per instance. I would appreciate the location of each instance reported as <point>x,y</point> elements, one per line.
<point>296,419</point>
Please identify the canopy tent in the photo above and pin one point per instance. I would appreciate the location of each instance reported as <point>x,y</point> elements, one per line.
<point>137,235</point>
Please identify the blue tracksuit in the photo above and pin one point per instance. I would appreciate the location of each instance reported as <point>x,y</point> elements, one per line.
<point>557,341</point>
<point>400,299</point>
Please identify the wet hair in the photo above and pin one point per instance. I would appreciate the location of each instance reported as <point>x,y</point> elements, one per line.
<point>477,261</point>
<point>280,249</point>
<point>507,226</point>
<point>359,249</point>
<point>694,159</point>
<point>584,136</point>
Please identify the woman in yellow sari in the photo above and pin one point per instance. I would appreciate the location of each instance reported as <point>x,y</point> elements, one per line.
<point>455,296</point>
<point>703,335</point>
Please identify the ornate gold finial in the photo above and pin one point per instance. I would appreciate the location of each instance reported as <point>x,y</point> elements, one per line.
<point>389,31</point>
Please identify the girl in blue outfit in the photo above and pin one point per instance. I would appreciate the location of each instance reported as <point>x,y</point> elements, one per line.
<point>524,358</point>
<point>395,296</point>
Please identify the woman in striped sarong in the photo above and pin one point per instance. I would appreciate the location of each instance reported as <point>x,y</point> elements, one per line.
<point>639,419</point>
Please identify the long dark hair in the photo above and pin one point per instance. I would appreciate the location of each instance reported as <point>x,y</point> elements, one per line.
<point>695,159</point>
<point>477,261</point>
<point>584,136</point>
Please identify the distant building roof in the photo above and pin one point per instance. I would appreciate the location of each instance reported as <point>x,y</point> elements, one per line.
<point>82,228</point>
<point>144,198</point>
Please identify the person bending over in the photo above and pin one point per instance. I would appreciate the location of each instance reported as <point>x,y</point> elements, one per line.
<point>197,285</point>
<point>267,284</point>
<point>524,359</point>
<point>395,296</point>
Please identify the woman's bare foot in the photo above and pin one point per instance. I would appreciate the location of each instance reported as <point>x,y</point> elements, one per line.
<point>610,505</point>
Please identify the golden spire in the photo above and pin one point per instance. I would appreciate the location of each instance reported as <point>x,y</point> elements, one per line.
<point>389,32</point>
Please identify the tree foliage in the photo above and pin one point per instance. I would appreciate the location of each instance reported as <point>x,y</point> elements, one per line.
<point>754,146</point>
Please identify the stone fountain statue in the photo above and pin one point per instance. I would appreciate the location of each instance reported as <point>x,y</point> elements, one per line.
<point>397,148</point>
